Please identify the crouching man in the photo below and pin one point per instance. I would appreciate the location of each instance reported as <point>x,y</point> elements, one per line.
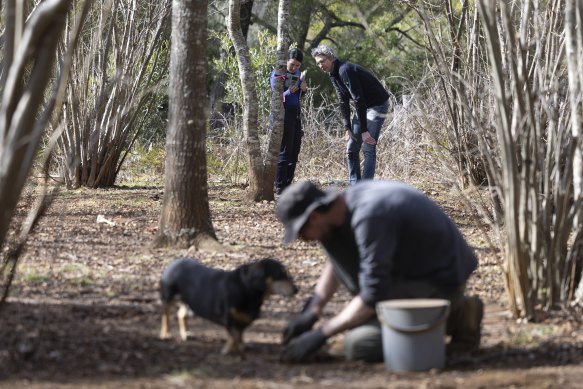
<point>384,240</point>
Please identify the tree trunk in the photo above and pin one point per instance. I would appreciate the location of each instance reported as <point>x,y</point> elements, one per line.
<point>256,189</point>
<point>19,129</point>
<point>245,13</point>
<point>185,217</point>
<point>574,42</point>
<point>304,13</point>
<point>277,108</point>
<point>515,265</point>
<point>27,72</point>
<point>218,108</point>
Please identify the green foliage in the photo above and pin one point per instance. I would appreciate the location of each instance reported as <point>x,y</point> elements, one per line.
<point>144,166</point>
<point>154,119</point>
<point>36,278</point>
<point>263,57</point>
<point>154,113</point>
<point>83,281</point>
<point>393,49</point>
<point>394,26</point>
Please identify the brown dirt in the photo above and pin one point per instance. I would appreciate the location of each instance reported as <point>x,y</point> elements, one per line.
<point>84,309</point>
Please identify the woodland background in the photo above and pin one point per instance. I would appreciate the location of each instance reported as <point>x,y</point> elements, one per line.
<point>485,101</point>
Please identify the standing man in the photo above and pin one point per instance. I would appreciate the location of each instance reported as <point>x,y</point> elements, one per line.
<point>353,82</point>
<point>294,86</point>
<point>384,240</point>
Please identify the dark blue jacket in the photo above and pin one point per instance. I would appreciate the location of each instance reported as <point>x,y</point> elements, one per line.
<point>352,81</point>
<point>289,99</point>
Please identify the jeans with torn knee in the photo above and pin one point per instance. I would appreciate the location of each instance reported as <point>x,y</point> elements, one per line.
<point>375,117</point>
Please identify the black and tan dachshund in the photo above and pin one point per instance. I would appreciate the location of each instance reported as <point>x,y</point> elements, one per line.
<point>232,299</point>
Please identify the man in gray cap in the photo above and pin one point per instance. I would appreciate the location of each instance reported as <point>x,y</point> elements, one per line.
<point>384,240</point>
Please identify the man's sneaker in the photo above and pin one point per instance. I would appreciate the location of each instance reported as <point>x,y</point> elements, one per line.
<point>467,334</point>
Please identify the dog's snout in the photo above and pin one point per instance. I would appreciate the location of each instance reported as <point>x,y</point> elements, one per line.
<point>284,288</point>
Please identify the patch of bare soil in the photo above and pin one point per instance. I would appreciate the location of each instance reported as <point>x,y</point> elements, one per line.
<point>84,309</point>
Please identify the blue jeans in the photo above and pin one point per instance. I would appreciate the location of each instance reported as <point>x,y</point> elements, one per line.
<point>375,117</point>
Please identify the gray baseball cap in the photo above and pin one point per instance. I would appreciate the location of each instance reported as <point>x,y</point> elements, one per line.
<point>297,202</point>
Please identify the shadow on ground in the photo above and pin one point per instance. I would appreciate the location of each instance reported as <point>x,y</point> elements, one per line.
<point>102,341</point>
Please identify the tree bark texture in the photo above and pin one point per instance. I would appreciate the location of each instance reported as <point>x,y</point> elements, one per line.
<point>277,109</point>
<point>27,71</point>
<point>218,108</point>
<point>250,103</point>
<point>185,213</point>
<point>20,128</point>
<point>261,167</point>
<point>574,48</point>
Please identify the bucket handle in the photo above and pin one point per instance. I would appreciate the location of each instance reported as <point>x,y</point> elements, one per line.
<point>422,327</point>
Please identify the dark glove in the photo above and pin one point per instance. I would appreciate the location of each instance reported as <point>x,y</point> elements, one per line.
<point>298,325</point>
<point>305,345</point>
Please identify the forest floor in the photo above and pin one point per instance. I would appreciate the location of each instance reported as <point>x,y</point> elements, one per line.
<point>84,309</point>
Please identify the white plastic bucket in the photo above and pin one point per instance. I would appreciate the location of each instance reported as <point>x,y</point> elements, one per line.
<point>413,333</point>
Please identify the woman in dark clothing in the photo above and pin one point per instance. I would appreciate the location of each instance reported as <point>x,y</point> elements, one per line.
<point>291,141</point>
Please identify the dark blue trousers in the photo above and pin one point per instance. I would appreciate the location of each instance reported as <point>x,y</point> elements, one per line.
<point>290,148</point>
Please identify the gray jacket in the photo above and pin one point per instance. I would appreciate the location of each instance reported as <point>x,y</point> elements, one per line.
<point>393,232</point>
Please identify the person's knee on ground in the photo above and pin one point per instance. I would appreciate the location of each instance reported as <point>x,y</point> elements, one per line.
<point>364,343</point>
<point>464,324</point>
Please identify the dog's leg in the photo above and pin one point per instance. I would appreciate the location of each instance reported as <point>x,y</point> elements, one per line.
<point>234,343</point>
<point>228,347</point>
<point>164,334</point>
<point>182,313</point>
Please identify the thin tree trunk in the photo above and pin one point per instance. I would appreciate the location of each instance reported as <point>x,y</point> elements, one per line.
<point>514,266</point>
<point>21,125</point>
<point>304,13</point>
<point>123,68</point>
<point>18,138</point>
<point>277,109</point>
<point>260,187</point>
<point>574,38</point>
<point>257,190</point>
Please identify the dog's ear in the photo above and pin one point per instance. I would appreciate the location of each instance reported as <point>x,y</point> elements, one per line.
<point>255,276</point>
<point>258,276</point>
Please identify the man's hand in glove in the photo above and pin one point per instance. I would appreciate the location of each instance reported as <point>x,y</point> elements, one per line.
<point>298,325</point>
<point>304,346</point>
